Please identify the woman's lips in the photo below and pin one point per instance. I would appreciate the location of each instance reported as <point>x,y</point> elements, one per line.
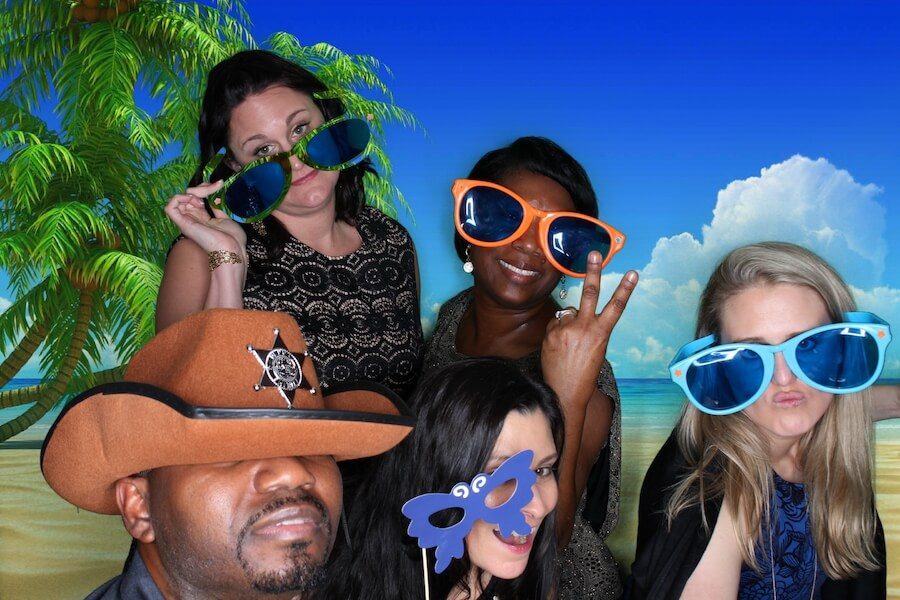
<point>787,399</point>
<point>519,271</point>
<point>308,177</point>
<point>517,544</point>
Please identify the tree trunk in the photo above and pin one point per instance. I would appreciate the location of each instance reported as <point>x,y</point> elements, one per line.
<point>32,393</point>
<point>21,353</point>
<point>57,387</point>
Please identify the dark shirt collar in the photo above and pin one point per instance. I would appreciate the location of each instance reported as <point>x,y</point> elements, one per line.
<point>134,583</point>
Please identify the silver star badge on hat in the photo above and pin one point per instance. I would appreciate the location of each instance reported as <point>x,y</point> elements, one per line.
<point>282,369</point>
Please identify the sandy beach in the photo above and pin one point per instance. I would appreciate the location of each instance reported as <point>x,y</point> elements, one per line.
<point>49,548</point>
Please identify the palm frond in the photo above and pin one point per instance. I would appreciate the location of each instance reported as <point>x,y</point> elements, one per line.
<point>16,247</point>
<point>380,193</point>
<point>13,116</point>
<point>13,139</point>
<point>33,45</point>
<point>29,307</point>
<point>348,71</point>
<point>61,324</point>
<point>383,112</point>
<point>33,168</point>
<point>65,231</point>
<point>26,17</point>
<point>135,280</point>
<point>196,35</point>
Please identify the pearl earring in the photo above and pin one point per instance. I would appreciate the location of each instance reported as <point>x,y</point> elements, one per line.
<point>468,267</point>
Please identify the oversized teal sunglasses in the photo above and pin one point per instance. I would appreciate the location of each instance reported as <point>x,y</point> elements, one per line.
<point>839,358</point>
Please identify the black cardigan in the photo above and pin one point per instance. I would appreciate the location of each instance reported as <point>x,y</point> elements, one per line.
<point>665,558</point>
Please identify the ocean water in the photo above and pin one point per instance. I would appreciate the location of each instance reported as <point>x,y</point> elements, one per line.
<point>49,549</point>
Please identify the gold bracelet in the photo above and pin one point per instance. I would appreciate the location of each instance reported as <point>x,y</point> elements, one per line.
<point>223,257</point>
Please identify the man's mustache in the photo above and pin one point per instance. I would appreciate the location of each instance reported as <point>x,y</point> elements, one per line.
<point>278,503</point>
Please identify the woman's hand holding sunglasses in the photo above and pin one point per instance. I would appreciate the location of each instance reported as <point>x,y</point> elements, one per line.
<point>574,346</point>
<point>211,233</point>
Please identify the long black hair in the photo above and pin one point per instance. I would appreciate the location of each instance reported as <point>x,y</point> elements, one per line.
<point>461,410</point>
<point>253,71</point>
<point>535,155</point>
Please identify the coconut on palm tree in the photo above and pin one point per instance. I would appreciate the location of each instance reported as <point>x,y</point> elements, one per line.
<point>82,230</point>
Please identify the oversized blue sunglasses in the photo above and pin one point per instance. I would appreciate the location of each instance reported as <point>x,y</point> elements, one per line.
<point>839,358</point>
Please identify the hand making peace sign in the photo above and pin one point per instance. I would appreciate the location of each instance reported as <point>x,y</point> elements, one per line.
<point>574,346</point>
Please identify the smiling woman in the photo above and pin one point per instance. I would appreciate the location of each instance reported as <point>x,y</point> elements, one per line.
<point>472,416</point>
<point>300,238</point>
<point>525,217</point>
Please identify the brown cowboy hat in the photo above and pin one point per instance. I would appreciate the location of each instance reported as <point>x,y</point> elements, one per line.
<point>221,385</point>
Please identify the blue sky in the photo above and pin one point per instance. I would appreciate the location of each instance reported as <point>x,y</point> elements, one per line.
<point>783,118</point>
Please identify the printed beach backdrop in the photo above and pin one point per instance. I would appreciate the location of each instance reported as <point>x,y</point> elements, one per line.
<point>703,126</point>
<point>52,550</point>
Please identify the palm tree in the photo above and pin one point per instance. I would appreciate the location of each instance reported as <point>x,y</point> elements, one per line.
<point>82,231</point>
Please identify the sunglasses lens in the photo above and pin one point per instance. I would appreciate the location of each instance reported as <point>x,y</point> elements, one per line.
<point>339,145</point>
<point>571,239</point>
<point>724,379</point>
<point>255,191</point>
<point>489,215</point>
<point>840,358</point>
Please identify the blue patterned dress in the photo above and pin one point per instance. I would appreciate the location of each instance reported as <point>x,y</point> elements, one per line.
<point>796,568</point>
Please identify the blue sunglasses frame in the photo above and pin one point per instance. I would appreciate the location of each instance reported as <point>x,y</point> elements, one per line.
<point>693,351</point>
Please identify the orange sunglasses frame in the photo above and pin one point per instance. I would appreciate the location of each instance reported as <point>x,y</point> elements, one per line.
<point>461,186</point>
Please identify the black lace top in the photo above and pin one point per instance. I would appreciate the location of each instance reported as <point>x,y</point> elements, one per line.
<point>359,313</point>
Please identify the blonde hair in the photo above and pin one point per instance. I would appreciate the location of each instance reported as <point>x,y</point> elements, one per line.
<point>728,456</point>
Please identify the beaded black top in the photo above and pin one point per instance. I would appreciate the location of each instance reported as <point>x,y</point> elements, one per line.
<point>359,313</point>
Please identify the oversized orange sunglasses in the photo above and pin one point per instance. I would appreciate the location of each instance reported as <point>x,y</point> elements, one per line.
<point>490,215</point>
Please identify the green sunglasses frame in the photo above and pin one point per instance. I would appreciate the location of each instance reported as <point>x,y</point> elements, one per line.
<point>283,158</point>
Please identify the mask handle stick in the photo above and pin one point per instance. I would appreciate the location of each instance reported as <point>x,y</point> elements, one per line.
<point>425,573</point>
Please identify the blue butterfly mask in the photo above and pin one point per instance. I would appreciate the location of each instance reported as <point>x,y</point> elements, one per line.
<point>471,498</point>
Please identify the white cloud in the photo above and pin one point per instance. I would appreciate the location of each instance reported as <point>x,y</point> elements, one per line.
<point>4,304</point>
<point>429,317</point>
<point>651,354</point>
<point>808,202</point>
<point>427,326</point>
